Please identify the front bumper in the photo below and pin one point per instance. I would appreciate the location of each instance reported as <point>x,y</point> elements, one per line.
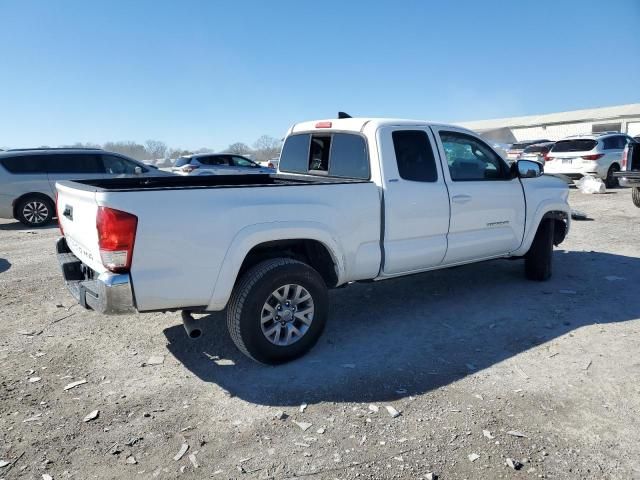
<point>108,293</point>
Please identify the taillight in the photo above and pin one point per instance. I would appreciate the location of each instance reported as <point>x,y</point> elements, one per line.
<point>58,215</point>
<point>593,157</point>
<point>271,165</point>
<point>323,125</point>
<point>546,157</point>
<point>625,153</point>
<point>116,236</point>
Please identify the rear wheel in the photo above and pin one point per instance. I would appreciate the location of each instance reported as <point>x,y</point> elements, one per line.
<point>635,196</point>
<point>278,310</point>
<point>538,260</point>
<point>611,181</point>
<point>34,211</point>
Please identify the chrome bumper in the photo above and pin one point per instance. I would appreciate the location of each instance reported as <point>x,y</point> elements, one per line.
<point>108,293</point>
<point>628,178</point>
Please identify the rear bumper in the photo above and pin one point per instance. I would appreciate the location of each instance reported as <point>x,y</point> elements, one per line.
<point>108,293</point>
<point>628,179</point>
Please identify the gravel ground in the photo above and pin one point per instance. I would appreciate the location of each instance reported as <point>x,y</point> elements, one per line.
<point>480,364</point>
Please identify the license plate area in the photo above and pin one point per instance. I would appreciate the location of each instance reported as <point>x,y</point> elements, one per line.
<point>567,161</point>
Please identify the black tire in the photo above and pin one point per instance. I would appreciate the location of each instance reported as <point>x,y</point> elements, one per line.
<point>635,196</point>
<point>538,260</point>
<point>249,296</point>
<point>611,181</point>
<point>35,211</point>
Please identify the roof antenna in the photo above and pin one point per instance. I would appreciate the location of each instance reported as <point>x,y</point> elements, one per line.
<point>344,115</point>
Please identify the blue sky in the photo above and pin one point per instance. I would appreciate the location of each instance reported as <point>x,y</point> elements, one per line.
<point>204,73</point>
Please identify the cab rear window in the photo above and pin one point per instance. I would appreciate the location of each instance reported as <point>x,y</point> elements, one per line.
<point>334,154</point>
<point>574,145</point>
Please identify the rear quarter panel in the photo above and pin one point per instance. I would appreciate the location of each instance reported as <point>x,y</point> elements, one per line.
<point>13,186</point>
<point>191,243</point>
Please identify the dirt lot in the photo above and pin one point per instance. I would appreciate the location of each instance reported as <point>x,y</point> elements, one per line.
<point>480,363</point>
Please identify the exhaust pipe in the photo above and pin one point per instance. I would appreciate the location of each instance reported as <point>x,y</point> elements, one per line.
<point>190,325</point>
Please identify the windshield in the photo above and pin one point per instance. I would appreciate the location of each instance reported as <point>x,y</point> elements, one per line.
<point>575,145</point>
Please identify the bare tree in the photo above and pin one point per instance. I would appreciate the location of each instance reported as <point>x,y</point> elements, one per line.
<point>130,149</point>
<point>156,149</point>
<point>178,152</point>
<point>79,145</point>
<point>266,148</point>
<point>238,148</point>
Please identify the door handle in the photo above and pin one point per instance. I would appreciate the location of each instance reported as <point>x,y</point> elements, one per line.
<point>461,198</point>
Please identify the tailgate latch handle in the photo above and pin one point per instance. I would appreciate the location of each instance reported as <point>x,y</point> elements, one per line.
<point>68,212</point>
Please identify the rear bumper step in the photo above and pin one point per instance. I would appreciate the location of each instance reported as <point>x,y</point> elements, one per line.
<point>628,178</point>
<point>109,293</point>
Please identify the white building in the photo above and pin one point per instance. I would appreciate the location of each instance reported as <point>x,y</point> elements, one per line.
<point>554,126</point>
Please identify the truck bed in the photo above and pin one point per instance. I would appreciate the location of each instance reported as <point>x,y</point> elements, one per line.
<point>202,181</point>
<point>194,232</point>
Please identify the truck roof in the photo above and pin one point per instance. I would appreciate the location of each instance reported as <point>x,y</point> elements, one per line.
<point>358,124</point>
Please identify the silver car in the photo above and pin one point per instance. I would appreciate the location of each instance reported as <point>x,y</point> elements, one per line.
<point>217,164</point>
<point>28,178</point>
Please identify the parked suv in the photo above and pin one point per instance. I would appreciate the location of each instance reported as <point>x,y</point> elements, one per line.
<point>217,164</point>
<point>537,152</point>
<point>28,178</point>
<point>597,154</point>
<point>514,152</point>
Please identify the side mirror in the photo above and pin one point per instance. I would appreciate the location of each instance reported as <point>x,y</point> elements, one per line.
<point>137,170</point>
<point>528,169</point>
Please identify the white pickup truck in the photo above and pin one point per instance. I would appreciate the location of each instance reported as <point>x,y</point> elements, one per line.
<point>354,200</point>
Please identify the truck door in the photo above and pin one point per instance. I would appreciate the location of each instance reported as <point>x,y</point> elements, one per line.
<point>416,204</point>
<point>487,205</point>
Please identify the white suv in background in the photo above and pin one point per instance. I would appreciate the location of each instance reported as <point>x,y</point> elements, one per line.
<point>597,154</point>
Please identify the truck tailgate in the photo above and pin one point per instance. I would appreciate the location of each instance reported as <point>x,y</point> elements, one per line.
<point>77,211</point>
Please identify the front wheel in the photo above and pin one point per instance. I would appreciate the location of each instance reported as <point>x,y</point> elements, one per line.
<point>278,310</point>
<point>538,260</point>
<point>635,196</point>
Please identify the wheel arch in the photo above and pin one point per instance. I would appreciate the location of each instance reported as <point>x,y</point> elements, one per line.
<point>558,212</point>
<point>309,242</point>
<point>24,196</point>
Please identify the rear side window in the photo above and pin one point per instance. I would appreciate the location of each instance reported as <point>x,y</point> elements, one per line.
<point>610,143</point>
<point>25,164</point>
<point>574,145</point>
<point>414,156</point>
<point>79,163</point>
<point>215,160</point>
<point>338,155</point>
<point>181,162</point>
